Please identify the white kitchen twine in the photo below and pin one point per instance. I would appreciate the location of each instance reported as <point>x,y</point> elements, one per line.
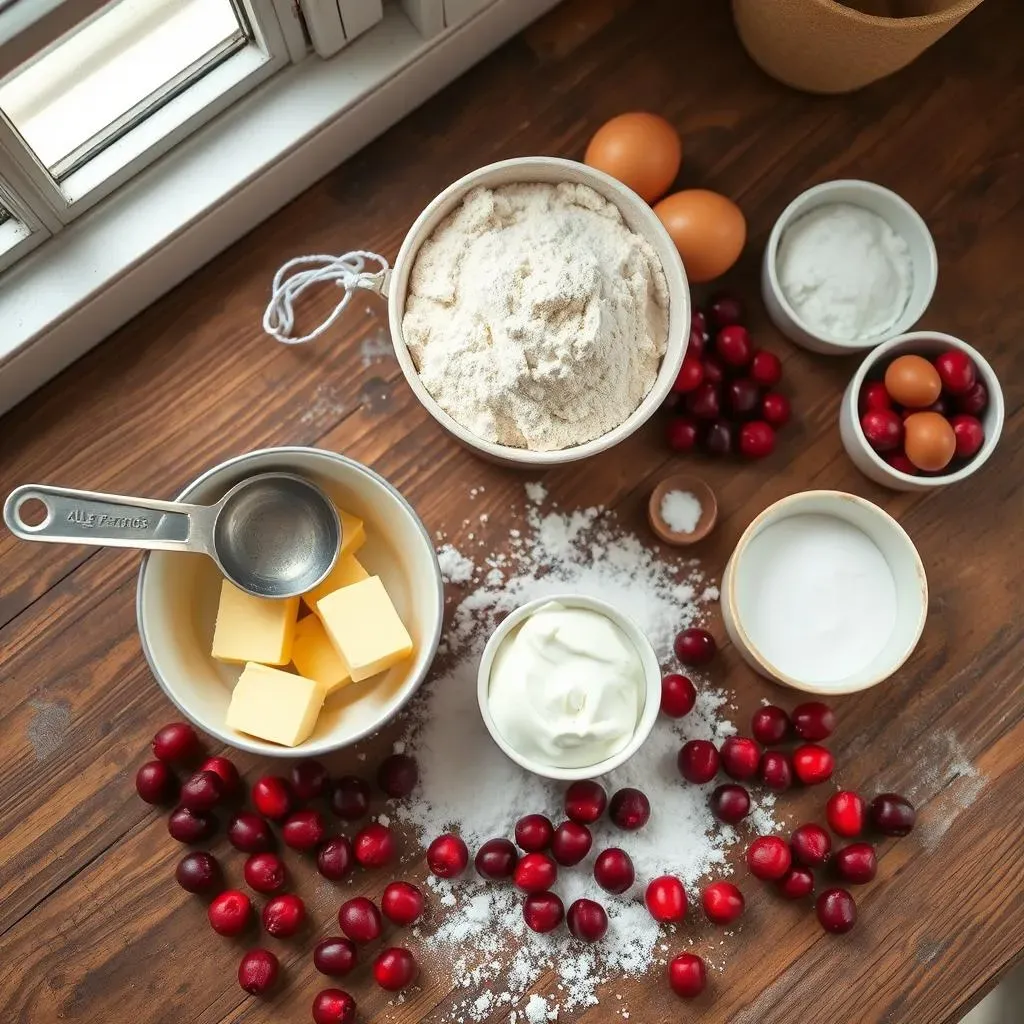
<point>302,272</point>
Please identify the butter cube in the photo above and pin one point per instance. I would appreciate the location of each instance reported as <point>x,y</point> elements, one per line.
<point>316,657</point>
<point>274,705</point>
<point>253,628</point>
<point>363,624</point>
<point>347,570</point>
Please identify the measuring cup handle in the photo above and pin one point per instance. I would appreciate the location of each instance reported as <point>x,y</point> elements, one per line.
<point>109,520</point>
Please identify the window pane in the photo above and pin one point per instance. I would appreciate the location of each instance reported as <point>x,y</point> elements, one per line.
<point>99,81</point>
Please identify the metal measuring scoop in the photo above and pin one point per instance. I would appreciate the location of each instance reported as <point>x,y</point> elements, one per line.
<point>272,535</point>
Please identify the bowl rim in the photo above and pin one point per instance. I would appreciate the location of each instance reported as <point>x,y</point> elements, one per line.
<point>652,691</point>
<point>678,290</point>
<point>837,498</point>
<point>996,404</point>
<point>791,213</point>
<point>240,741</point>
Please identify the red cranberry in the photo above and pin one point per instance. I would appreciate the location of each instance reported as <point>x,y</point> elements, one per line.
<point>714,369</point>
<point>402,903</point>
<point>770,725</point>
<point>969,434</point>
<point>941,405</point>
<point>629,809</point>
<point>730,803</point>
<point>892,814</point>
<point>846,812</point>
<point>836,910</point>
<point>265,872</point>
<point>543,911</point>
<point>742,398</point>
<point>202,792</point>
<point>705,401</point>
<point>225,770</point>
<point>190,826</point>
<point>304,830</point>
<point>335,956</point>
<point>229,912</point>
<point>534,833</point>
<point>687,975</point>
<point>691,373</point>
<point>666,899</point>
<point>757,440</point>
<point>681,434</point>
<point>497,858</point>
<point>613,870</point>
<point>776,770</point>
<point>698,321</point>
<point>768,858</point>
<point>250,833</point>
<point>394,969</point>
<point>813,764</point>
<point>698,761</point>
<point>775,409</point>
<point>332,1006</point>
<point>733,346</point>
<point>810,845</point>
<point>719,438</point>
<point>176,742</point>
<point>309,779</point>
<point>796,883</point>
<point>570,843</point>
<point>257,973</point>
<point>956,371</point>
<point>350,798</point>
<point>697,342</point>
<point>813,721</point>
<point>585,801</point>
<point>272,797</point>
<point>695,646</point>
<point>722,902</point>
<point>873,396</point>
<point>397,775</point>
<point>447,856</point>
<point>283,915</point>
<point>374,846</point>
<point>587,920</point>
<point>883,429</point>
<point>724,310</point>
<point>156,784</point>
<point>198,872</point>
<point>973,402</point>
<point>360,919</point>
<point>678,695</point>
<point>740,757</point>
<point>335,859</point>
<point>900,462</point>
<point>856,863</point>
<point>535,872</point>
<point>766,368</point>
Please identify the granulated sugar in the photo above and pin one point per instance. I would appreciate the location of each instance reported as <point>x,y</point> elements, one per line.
<point>469,786</point>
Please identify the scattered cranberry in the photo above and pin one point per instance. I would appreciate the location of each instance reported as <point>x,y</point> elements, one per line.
<point>304,830</point>
<point>720,438</point>
<point>776,770</point>
<point>332,1006</point>
<point>497,858</point>
<point>257,973</point>
<point>698,761</point>
<point>265,872</point>
<point>846,812</point>
<point>283,915</point>
<point>873,396</point>
<point>722,902</point>
<point>681,433</point>
<point>811,845</point>
<point>687,975</point>
<point>742,398</point>
<point>730,803</point>
<point>229,912</point>
<point>543,911</point>
<point>813,764</point>
<point>725,310</point>
<point>534,833</point>
<point>156,784</point>
<point>882,428</point>
<point>892,814</point>
<point>397,775</point>
<point>836,911</point>
<point>775,409</point>
<point>190,826</point>
<point>350,798</point>
<point>250,833</point>
<point>587,920</point>
<point>630,809</point>
<point>272,797</point>
<point>402,903</point>
<point>394,969</point>
<point>956,371</point>
<point>374,846</point>
<point>856,863</point>
<point>900,462</point>
<point>973,402</point>
<point>335,859</point>
<point>740,757</point>
<point>447,856</point>
<point>665,898</point>
<point>202,792</point>
<point>695,646</point>
<point>225,770</point>
<point>766,368</point>
<point>705,401</point>
<point>698,341</point>
<point>335,956</point>
<point>360,919</point>
<point>613,870</point>
<point>733,346</point>
<point>770,725</point>
<point>813,721</point>
<point>698,321</point>
<point>969,434</point>
<point>535,872</point>
<point>768,858</point>
<point>570,843</point>
<point>757,440</point>
<point>585,801</point>
<point>678,695</point>
<point>690,376</point>
<point>176,742</point>
<point>796,883</point>
<point>198,872</point>
<point>309,779</point>
<point>714,370</point>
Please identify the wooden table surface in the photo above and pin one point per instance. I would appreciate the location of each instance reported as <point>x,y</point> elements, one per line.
<point>92,926</point>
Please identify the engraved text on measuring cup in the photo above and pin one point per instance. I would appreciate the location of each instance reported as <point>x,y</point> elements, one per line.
<point>80,518</point>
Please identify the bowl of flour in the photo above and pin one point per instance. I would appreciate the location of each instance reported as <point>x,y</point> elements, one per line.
<point>539,311</point>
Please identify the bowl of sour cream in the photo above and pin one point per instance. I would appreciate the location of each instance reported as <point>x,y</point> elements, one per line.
<point>569,687</point>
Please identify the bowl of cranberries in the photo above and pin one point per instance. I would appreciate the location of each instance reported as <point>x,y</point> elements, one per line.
<point>924,410</point>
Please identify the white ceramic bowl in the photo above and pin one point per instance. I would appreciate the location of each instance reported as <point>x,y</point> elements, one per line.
<point>899,552</point>
<point>901,217</point>
<point>178,594</point>
<point>636,213</point>
<point>867,460</point>
<point>652,680</point>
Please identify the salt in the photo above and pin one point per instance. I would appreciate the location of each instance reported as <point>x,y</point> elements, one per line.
<point>681,511</point>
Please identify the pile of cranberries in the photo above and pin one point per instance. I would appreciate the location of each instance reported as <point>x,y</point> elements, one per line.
<point>725,398</point>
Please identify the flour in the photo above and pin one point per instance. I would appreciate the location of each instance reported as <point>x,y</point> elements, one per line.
<point>535,317</point>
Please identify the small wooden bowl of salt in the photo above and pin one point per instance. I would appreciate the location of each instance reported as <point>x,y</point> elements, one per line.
<point>682,510</point>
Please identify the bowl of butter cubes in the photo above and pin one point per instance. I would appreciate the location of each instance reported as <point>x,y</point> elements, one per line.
<point>303,676</point>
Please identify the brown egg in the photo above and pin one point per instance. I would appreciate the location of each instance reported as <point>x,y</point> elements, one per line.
<point>928,440</point>
<point>912,381</point>
<point>708,229</point>
<point>643,151</point>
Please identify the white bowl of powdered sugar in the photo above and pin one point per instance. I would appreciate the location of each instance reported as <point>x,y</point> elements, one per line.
<point>539,311</point>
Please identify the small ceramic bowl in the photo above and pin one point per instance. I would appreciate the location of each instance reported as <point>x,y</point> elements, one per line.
<point>178,593</point>
<point>708,509</point>
<point>896,548</point>
<point>652,679</point>
<point>927,344</point>
<point>901,217</point>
